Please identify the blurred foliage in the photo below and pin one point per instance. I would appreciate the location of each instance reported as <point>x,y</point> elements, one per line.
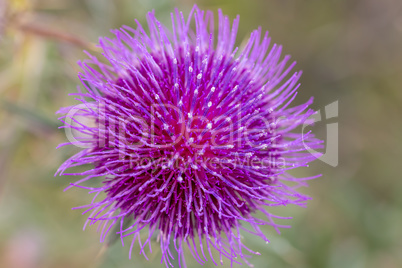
<point>349,50</point>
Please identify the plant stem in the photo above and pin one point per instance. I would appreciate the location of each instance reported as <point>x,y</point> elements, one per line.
<point>52,34</point>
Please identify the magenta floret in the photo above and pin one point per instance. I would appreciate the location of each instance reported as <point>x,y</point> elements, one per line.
<point>189,135</point>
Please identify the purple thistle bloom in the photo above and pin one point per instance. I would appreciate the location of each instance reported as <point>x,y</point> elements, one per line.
<point>190,135</point>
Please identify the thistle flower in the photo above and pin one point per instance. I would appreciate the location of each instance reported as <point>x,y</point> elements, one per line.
<point>189,135</point>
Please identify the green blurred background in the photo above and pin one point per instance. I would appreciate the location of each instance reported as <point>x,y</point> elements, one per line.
<point>349,50</point>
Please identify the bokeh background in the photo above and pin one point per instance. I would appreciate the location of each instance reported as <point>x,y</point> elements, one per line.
<point>350,52</point>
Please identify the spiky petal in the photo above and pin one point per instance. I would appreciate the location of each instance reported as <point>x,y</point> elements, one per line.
<point>189,135</point>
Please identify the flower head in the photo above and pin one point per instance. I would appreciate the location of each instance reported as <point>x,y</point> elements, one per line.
<point>189,135</point>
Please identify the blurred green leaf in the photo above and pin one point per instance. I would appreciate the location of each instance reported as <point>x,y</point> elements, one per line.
<point>32,116</point>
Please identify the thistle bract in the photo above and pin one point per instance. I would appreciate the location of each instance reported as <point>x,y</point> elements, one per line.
<point>189,135</point>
